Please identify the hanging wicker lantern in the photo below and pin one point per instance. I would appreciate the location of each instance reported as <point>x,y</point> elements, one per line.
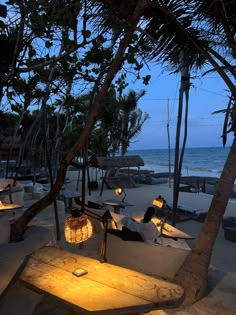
<point>77,228</point>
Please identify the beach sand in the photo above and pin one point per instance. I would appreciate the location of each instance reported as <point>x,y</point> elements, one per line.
<point>221,298</point>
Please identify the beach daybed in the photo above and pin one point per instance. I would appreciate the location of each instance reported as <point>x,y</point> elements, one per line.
<point>229,227</point>
<point>162,260</point>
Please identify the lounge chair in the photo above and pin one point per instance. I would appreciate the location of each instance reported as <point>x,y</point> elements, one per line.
<point>229,226</point>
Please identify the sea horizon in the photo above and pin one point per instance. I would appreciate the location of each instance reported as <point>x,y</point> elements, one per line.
<point>198,161</point>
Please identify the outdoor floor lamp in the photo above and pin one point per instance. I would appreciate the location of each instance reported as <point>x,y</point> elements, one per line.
<point>119,191</point>
<point>78,228</point>
<point>160,203</point>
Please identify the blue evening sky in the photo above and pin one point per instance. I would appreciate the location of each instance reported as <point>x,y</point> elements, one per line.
<point>207,94</point>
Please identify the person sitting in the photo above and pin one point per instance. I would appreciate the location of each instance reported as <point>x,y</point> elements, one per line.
<point>148,229</point>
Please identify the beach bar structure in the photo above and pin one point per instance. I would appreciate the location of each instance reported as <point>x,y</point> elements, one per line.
<point>112,165</point>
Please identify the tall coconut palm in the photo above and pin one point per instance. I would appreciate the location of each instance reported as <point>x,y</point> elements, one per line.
<point>109,123</point>
<point>183,90</point>
<point>136,120</point>
<point>193,274</point>
<point>131,118</point>
<point>186,62</point>
<point>122,120</point>
<point>174,24</point>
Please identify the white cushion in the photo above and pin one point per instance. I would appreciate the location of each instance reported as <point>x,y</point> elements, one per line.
<point>133,226</point>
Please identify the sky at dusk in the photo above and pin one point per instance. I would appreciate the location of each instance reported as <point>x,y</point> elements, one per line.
<point>207,95</point>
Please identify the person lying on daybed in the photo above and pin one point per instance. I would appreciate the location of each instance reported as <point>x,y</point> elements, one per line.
<point>146,228</point>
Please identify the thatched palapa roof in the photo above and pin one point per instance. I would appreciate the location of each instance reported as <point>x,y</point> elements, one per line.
<point>118,161</point>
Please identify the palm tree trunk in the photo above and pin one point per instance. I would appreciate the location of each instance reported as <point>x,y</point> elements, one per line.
<point>176,162</point>
<point>184,90</point>
<point>168,138</point>
<point>181,158</point>
<point>193,274</point>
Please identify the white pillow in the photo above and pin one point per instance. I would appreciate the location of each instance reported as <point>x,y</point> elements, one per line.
<point>133,225</point>
<point>148,231</point>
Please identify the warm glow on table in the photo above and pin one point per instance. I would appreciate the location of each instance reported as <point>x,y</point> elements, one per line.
<point>169,230</point>
<point>8,206</point>
<point>105,289</point>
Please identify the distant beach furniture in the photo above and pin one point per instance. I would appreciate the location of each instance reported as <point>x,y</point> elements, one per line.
<point>229,227</point>
<point>183,213</point>
<point>205,184</point>
<point>144,176</point>
<point>118,161</point>
<point>113,176</point>
<point>198,183</point>
<point>210,188</point>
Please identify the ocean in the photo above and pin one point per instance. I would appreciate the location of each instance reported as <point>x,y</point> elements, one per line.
<point>197,161</point>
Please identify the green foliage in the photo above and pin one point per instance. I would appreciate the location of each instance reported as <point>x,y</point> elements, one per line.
<point>121,120</point>
<point>8,121</point>
<point>7,45</point>
<point>88,34</point>
<point>98,54</point>
<point>2,24</point>
<point>121,83</point>
<point>146,79</point>
<point>71,135</point>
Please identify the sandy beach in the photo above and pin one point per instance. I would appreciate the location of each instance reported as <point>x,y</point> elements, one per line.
<point>221,298</point>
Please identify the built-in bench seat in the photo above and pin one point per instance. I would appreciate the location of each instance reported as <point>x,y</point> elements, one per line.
<point>162,260</point>
<point>40,232</point>
<point>14,253</point>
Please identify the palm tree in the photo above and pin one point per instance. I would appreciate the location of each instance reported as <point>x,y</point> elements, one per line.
<point>173,26</point>
<point>184,90</point>
<point>131,118</point>
<point>110,124</point>
<point>187,61</point>
<point>121,120</point>
<point>193,274</point>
